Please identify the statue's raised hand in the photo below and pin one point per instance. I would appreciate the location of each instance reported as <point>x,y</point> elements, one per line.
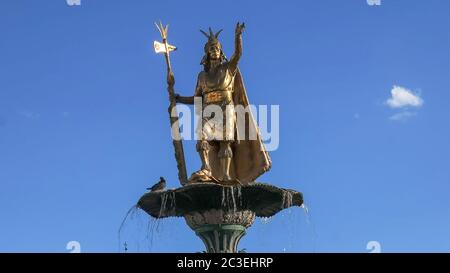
<point>239,28</point>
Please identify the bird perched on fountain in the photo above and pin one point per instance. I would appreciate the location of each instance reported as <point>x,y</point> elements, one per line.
<point>158,186</point>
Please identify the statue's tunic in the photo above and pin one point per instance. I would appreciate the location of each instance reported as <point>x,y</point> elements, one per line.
<point>218,117</point>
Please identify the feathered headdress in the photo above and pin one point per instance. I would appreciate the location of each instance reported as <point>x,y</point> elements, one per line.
<point>212,39</point>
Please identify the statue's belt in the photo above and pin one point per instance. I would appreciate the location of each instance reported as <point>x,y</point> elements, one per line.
<point>217,96</point>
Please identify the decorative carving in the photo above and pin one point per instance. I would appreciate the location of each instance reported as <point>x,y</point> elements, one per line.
<point>196,220</point>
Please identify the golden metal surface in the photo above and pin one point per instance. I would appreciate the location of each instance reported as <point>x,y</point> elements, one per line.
<point>228,161</point>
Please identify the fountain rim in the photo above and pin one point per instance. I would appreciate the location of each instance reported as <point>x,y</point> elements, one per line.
<point>191,188</point>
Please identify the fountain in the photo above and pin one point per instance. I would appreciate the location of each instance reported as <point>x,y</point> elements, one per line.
<point>219,214</point>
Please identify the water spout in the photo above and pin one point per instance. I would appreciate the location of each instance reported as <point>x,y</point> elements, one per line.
<point>287,199</point>
<point>162,210</point>
<point>233,199</point>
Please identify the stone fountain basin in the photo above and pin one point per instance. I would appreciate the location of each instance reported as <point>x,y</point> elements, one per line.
<point>264,200</point>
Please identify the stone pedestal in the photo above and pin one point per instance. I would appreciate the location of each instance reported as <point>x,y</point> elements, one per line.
<point>221,238</point>
<point>219,230</point>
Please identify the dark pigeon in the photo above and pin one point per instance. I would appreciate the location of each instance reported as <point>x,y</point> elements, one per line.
<point>158,186</point>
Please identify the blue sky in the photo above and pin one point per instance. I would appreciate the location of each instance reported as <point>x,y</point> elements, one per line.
<point>84,127</point>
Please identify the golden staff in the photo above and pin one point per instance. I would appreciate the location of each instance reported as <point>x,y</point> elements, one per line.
<point>165,48</point>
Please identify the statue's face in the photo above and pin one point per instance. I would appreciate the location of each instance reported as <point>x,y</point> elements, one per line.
<point>214,52</point>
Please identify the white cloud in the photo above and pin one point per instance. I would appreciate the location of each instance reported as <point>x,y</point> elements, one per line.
<point>403,116</point>
<point>403,97</point>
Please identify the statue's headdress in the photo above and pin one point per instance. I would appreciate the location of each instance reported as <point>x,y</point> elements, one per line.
<point>213,38</point>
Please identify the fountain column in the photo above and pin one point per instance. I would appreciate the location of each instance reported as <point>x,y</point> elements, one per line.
<point>220,230</point>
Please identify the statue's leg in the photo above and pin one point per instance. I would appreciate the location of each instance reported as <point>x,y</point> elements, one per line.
<point>225,155</point>
<point>204,174</point>
<point>203,150</point>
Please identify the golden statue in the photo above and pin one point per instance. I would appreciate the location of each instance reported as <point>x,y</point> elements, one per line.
<point>228,157</point>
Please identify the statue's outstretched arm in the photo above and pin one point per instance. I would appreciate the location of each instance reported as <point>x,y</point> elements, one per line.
<point>237,46</point>
<point>185,100</point>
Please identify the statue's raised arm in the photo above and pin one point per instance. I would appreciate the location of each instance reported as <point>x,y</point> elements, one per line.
<point>237,47</point>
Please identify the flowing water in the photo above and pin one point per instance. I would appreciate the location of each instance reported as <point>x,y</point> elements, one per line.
<point>231,197</point>
<point>137,231</point>
<point>291,230</point>
<point>287,199</point>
